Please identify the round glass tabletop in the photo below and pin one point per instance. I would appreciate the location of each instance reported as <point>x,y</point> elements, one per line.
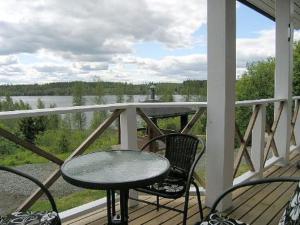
<point>115,169</point>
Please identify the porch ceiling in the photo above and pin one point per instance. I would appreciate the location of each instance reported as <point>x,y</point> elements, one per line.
<point>267,8</point>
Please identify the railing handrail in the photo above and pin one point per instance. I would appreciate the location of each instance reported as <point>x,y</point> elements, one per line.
<point>91,108</point>
<point>258,101</point>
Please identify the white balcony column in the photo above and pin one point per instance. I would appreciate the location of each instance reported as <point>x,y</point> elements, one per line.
<point>258,141</point>
<point>128,129</point>
<point>129,138</point>
<point>221,57</point>
<point>283,74</point>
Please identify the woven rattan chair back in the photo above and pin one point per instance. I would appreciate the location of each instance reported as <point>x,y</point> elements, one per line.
<point>181,151</point>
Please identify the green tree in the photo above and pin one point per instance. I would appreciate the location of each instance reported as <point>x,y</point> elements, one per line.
<point>167,95</point>
<point>54,119</point>
<point>28,129</point>
<point>41,122</point>
<point>256,83</point>
<point>64,142</point>
<point>98,116</point>
<point>79,119</point>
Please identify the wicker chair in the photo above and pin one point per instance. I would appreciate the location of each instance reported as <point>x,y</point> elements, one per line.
<point>181,151</point>
<point>291,215</point>
<point>32,218</point>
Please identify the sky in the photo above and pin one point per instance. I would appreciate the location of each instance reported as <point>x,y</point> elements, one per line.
<point>134,41</point>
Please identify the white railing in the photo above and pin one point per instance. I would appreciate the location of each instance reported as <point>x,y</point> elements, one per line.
<point>257,159</point>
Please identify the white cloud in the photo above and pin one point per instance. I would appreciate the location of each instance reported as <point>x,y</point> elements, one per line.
<point>254,49</point>
<point>96,30</point>
<point>74,39</point>
<point>174,67</point>
<point>8,60</point>
<point>296,35</point>
<point>130,68</point>
<point>260,47</point>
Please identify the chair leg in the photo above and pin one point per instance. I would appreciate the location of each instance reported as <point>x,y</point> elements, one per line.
<point>157,203</point>
<point>186,205</point>
<point>199,201</point>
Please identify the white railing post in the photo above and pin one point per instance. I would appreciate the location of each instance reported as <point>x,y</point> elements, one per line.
<point>129,138</point>
<point>258,140</point>
<point>221,62</point>
<point>283,74</point>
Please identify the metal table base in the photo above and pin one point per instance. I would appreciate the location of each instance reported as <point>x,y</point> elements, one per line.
<point>112,217</point>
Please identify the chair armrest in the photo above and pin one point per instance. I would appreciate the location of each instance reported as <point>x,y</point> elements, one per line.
<point>251,183</point>
<point>34,180</point>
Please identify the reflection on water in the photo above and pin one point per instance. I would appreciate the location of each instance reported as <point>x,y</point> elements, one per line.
<point>66,101</point>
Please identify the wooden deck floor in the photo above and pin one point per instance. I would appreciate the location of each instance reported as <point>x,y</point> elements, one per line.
<point>258,205</point>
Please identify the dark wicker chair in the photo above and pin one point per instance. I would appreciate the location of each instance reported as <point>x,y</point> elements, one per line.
<point>181,151</point>
<point>291,215</point>
<point>32,218</point>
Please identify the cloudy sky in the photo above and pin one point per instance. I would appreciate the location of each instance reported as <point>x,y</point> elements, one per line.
<point>135,41</point>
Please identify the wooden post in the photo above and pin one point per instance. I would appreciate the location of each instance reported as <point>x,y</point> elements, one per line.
<point>221,57</point>
<point>258,141</point>
<point>129,139</point>
<point>283,74</point>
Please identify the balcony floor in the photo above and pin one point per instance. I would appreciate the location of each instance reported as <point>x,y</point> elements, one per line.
<point>259,205</point>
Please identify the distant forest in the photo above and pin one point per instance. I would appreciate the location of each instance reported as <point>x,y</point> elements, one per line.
<point>189,87</point>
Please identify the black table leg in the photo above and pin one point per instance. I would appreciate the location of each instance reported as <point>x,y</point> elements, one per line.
<point>113,202</point>
<point>108,207</point>
<point>124,206</point>
<point>112,217</point>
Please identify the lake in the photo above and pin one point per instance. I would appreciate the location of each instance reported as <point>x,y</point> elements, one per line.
<point>64,101</point>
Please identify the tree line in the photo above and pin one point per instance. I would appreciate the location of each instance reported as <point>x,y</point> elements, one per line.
<point>189,87</point>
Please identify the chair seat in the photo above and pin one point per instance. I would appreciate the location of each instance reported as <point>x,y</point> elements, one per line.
<point>30,218</point>
<point>172,187</point>
<point>217,219</point>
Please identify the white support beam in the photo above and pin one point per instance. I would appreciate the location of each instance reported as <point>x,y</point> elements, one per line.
<point>129,138</point>
<point>128,129</point>
<point>258,141</point>
<point>283,74</point>
<point>221,57</point>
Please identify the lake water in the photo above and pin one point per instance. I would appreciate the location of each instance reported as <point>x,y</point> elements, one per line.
<point>64,101</point>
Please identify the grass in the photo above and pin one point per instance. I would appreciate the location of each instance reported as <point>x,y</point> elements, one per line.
<point>49,142</point>
<point>26,157</point>
<point>70,201</point>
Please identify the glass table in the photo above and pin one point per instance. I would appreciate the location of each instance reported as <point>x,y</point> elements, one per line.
<point>116,170</point>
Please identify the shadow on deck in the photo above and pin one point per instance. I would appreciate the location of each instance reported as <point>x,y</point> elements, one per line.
<point>258,205</point>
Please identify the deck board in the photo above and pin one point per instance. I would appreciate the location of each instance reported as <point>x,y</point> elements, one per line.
<point>257,205</point>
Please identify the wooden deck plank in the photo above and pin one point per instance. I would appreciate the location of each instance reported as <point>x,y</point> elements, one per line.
<point>277,217</point>
<point>247,194</point>
<point>276,207</point>
<point>167,217</point>
<point>245,211</point>
<point>265,202</point>
<point>258,205</point>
